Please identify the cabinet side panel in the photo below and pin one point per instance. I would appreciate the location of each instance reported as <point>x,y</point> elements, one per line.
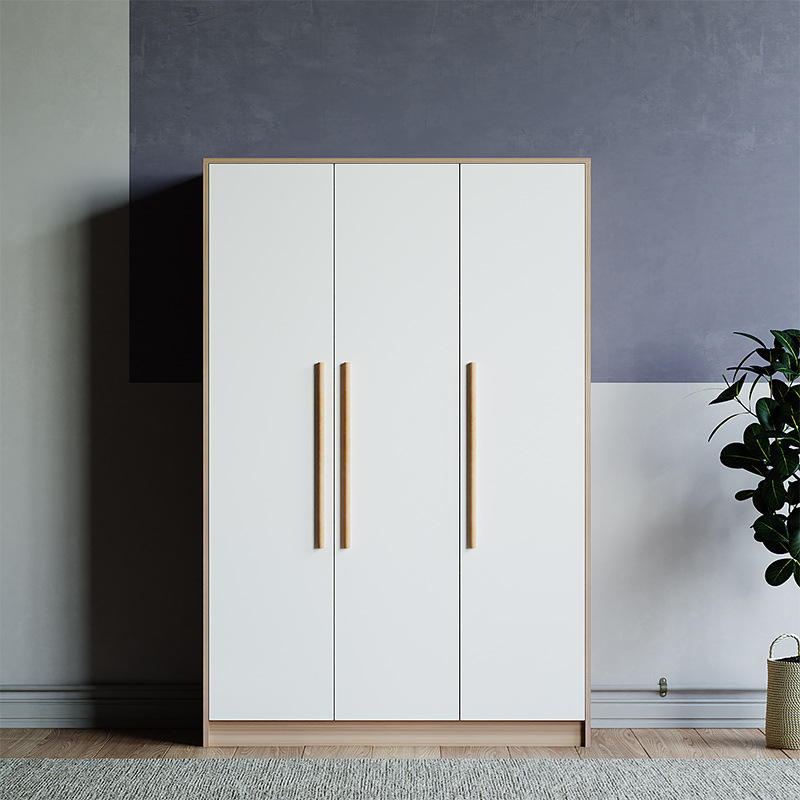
<point>523,585</point>
<point>397,323</point>
<point>270,320</point>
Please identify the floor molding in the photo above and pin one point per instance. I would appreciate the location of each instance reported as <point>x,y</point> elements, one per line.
<point>180,706</point>
<point>111,706</point>
<point>618,707</point>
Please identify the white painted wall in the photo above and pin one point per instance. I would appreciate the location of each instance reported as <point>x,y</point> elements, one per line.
<point>678,584</point>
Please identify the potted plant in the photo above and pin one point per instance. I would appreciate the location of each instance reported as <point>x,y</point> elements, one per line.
<point>770,447</point>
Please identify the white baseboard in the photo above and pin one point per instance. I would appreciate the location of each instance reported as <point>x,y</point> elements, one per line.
<point>179,706</point>
<point>617,707</point>
<point>113,706</point>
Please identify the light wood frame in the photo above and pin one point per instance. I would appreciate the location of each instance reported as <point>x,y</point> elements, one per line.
<point>472,465</point>
<point>224,733</point>
<point>284,732</point>
<point>319,455</point>
<point>344,455</point>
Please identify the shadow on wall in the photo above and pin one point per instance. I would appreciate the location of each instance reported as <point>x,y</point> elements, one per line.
<point>146,493</point>
<point>166,280</point>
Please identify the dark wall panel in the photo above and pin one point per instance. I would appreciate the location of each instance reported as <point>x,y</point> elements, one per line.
<point>689,110</point>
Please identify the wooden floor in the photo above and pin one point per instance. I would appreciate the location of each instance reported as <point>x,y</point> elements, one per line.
<point>606,743</point>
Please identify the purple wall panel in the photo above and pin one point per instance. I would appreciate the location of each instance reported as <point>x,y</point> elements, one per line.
<point>690,112</point>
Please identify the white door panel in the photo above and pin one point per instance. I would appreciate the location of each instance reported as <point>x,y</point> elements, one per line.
<point>397,323</point>
<point>270,321</point>
<point>522,587</point>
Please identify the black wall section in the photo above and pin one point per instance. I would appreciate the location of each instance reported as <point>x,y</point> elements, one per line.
<point>689,110</point>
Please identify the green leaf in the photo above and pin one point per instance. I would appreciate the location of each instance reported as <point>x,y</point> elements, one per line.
<point>750,336</point>
<point>779,548</point>
<point>753,388</point>
<point>730,393</point>
<point>770,528</point>
<point>745,494</point>
<point>780,571</point>
<point>797,572</point>
<point>750,368</point>
<point>773,492</point>
<point>793,522</point>
<point>758,502</point>
<point>778,389</point>
<point>782,459</point>
<point>768,354</point>
<point>794,545</point>
<point>786,415</point>
<point>765,408</point>
<point>790,412</point>
<point>790,370</point>
<point>755,370</point>
<point>738,414</point>
<point>737,456</point>
<point>793,493</point>
<point>756,441</point>
<point>786,340</point>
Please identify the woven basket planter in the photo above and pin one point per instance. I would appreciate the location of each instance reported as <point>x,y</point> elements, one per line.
<point>783,699</point>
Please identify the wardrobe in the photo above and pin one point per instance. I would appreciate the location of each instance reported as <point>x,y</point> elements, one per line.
<point>396,428</point>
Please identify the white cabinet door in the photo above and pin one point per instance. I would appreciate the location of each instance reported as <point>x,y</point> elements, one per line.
<point>522,587</point>
<point>270,321</point>
<point>397,323</point>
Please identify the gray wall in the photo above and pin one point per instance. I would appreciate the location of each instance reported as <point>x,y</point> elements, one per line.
<point>689,111</point>
<point>101,495</point>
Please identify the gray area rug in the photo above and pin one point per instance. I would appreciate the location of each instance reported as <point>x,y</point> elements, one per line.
<point>398,779</point>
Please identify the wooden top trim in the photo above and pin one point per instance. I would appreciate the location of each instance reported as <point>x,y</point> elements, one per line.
<point>207,161</point>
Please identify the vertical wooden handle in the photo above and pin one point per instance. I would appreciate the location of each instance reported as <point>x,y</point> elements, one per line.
<point>344,474</point>
<point>471,456</point>
<point>319,455</point>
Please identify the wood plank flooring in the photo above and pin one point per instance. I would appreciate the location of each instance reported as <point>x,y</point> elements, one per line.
<point>606,743</point>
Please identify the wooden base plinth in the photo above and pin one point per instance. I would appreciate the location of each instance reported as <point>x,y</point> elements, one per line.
<point>230,733</point>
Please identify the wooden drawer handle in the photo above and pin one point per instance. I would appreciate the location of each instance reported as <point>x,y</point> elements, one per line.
<point>319,455</point>
<point>471,455</point>
<point>344,476</point>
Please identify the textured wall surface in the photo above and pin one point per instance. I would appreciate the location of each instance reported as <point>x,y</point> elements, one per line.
<point>690,111</point>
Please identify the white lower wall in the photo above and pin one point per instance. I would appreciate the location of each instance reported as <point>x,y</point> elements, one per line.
<point>678,586</point>
<point>677,580</point>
